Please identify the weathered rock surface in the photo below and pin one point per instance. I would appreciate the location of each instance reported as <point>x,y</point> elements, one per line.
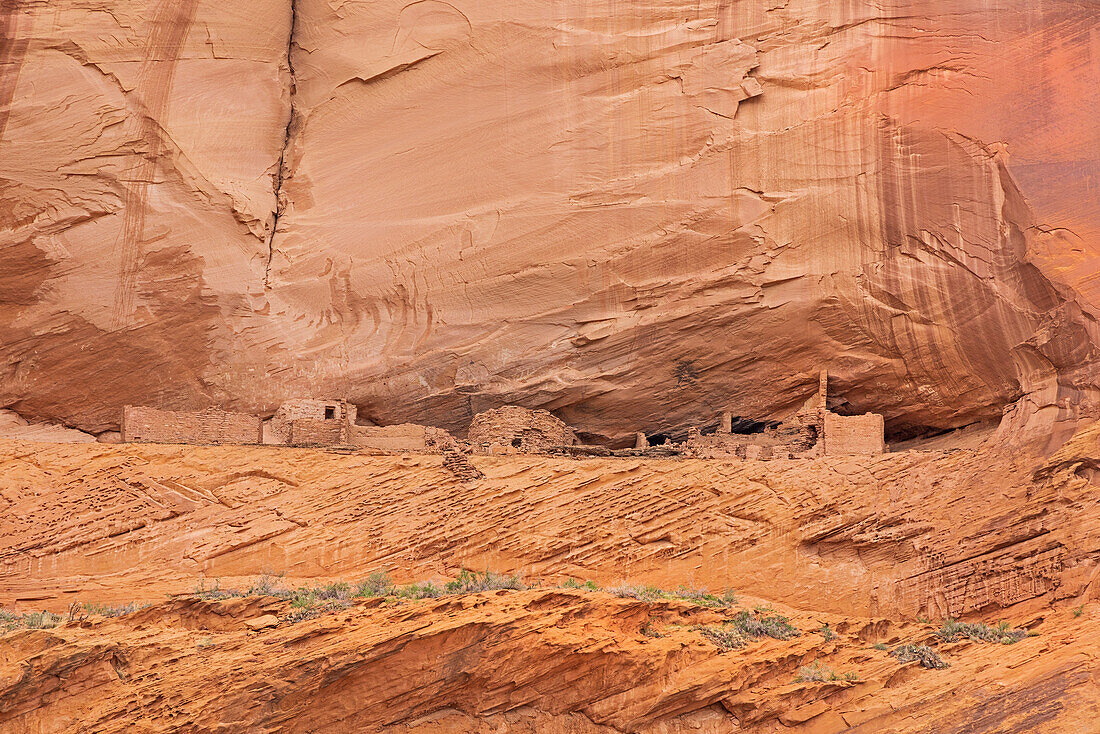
<point>864,544</point>
<point>936,533</point>
<point>634,218</point>
<point>541,661</point>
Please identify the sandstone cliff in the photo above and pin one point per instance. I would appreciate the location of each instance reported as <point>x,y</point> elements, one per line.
<point>867,546</point>
<point>634,215</point>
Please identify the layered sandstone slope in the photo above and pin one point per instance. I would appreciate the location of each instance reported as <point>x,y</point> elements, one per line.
<point>545,661</point>
<point>937,533</point>
<point>633,215</point>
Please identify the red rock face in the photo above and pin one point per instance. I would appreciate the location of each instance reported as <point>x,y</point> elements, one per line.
<point>636,217</point>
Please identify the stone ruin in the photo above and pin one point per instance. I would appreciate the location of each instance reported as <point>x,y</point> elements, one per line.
<point>814,431</point>
<point>512,430</point>
<point>211,426</point>
<point>311,422</point>
<point>297,422</point>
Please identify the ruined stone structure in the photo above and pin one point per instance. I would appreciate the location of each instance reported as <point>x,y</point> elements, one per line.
<point>321,422</point>
<point>854,434</point>
<point>512,429</point>
<point>210,426</point>
<point>814,431</point>
<point>313,432</point>
<point>402,437</point>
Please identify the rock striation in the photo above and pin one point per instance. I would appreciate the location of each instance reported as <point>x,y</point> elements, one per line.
<point>629,218</point>
<point>933,533</point>
<point>853,551</point>
<point>529,662</point>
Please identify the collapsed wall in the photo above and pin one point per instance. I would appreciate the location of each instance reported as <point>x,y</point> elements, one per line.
<point>141,424</point>
<point>402,437</point>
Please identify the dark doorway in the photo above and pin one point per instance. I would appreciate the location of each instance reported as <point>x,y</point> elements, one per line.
<point>517,442</point>
<point>330,412</point>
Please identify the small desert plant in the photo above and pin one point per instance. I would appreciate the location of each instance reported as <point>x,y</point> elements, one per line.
<point>774,625</point>
<point>881,646</point>
<point>818,673</point>
<point>924,620</point>
<point>204,642</point>
<point>577,584</point>
<point>104,610</point>
<point>650,630</point>
<point>474,581</point>
<point>1078,611</point>
<point>827,632</point>
<point>426,590</point>
<point>337,590</point>
<point>29,620</point>
<point>266,584</point>
<point>1002,633</point>
<point>925,655</point>
<point>701,597</point>
<point>40,620</point>
<point>642,593</point>
<point>377,584</point>
<point>213,592</point>
<point>315,609</point>
<point>724,638</point>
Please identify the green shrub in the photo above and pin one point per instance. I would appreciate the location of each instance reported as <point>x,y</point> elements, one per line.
<point>641,593</point>
<point>926,656</point>
<point>469,582</point>
<point>577,584</point>
<point>881,646</point>
<point>377,584</point>
<point>1078,611</point>
<point>724,638</point>
<point>316,608</point>
<point>266,584</point>
<point>215,592</point>
<point>774,625</point>
<point>337,590</point>
<point>827,632</point>
<point>700,597</point>
<point>818,673</point>
<point>426,590</point>
<point>1002,633</point>
<point>29,620</point>
<point>109,611</point>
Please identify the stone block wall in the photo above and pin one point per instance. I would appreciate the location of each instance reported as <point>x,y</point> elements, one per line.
<point>313,432</point>
<point>854,434</point>
<point>403,437</point>
<point>335,411</point>
<point>514,429</point>
<point>210,426</point>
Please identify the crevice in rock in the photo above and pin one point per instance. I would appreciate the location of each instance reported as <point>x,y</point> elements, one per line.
<point>280,173</point>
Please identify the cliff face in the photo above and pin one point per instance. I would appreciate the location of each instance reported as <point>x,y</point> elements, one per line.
<point>635,216</point>
<point>866,546</point>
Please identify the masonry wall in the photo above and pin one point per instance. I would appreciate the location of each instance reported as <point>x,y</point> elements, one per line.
<point>854,434</point>
<point>512,428</point>
<point>403,437</point>
<point>312,432</point>
<point>211,426</point>
<point>307,409</point>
